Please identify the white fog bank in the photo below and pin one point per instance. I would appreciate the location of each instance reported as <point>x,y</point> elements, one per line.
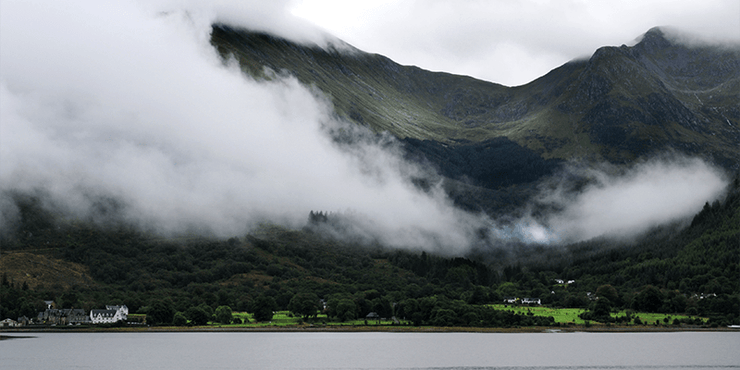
<point>628,203</point>
<point>113,100</point>
<point>129,102</point>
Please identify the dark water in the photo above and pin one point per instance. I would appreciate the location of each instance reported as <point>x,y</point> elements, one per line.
<point>469,351</point>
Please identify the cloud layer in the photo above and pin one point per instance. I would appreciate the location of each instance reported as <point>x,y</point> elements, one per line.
<point>127,102</point>
<point>118,101</point>
<point>622,203</point>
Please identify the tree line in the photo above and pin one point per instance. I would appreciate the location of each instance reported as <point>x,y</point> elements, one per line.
<point>692,270</point>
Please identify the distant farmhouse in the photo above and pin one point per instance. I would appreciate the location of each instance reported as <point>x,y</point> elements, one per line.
<point>561,281</point>
<point>531,301</point>
<point>8,323</point>
<point>515,300</point>
<point>110,315</point>
<point>69,316</point>
<point>511,300</point>
<point>77,316</point>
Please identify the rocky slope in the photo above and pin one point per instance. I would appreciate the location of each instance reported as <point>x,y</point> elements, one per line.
<point>622,103</point>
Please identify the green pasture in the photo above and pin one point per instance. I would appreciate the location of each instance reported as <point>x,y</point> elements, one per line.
<point>651,318</point>
<point>284,318</point>
<point>280,318</point>
<point>570,315</point>
<point>562,316</point>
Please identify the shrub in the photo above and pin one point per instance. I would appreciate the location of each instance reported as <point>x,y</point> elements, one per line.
<point>179,319</point>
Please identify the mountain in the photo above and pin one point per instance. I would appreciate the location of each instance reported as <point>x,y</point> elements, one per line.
<point>620,104</point>
<point>492,143</point>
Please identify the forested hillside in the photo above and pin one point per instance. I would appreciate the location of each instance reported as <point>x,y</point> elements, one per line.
<point>693,271</point>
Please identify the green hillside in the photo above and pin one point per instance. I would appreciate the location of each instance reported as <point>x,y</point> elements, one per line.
<point>693,272</point>
<point>621,103</point>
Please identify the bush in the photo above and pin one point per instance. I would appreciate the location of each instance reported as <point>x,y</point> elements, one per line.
<point>224,315</point>
<point>262,308</point>
<point>179,319</point>
<point>197,315</point>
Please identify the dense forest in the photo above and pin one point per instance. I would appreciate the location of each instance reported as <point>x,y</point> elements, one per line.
<point>693,271</point>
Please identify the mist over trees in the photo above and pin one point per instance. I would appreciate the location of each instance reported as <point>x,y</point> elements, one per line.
<point>691,271</point>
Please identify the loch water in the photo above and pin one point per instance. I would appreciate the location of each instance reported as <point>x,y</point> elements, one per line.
<point>365,351</point>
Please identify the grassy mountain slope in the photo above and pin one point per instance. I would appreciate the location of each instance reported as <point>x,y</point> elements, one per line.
<point>621,103</point>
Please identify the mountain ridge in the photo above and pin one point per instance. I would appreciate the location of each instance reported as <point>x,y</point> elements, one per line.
<point>620,104</point>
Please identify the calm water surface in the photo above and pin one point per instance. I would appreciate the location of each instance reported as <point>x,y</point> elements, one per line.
<point>470,351</point>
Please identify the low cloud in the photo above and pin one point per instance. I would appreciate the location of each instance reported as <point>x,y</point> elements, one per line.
<point>117,104</point>
<point>127,108</point>
<point>581,203</point>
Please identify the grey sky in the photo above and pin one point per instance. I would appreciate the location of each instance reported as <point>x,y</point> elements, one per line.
<point>509,41</point>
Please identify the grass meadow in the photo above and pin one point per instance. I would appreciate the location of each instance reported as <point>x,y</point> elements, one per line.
<point>562,316</point>
<point>570,315</point>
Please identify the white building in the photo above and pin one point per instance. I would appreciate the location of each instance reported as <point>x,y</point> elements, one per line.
<point>123,309</point>
<point>110,315</point>
<point>9,323</point>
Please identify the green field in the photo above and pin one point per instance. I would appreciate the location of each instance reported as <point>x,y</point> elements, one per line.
<point>284,318</point>
<point>562,316</point>
<point>570,315</point>
<point>281,318</point>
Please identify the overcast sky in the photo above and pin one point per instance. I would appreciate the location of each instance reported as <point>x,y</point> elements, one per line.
<point>508,41</point>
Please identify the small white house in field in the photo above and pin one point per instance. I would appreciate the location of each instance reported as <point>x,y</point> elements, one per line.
<point>110,315</point>
<point>9,323</point>
<point>561,281</point>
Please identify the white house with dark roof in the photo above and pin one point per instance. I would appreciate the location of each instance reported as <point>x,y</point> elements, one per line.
<point>531,301</point>
<point>9,323</point>
<point>510,299</point>
<point>123,309</point>
<point>110,315</point>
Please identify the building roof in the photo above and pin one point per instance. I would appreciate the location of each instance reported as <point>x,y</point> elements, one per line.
<point>104,313</point>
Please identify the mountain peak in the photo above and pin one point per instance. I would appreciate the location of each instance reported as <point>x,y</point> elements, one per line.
<point>625,102</point>
<point>654,39</point>
<point>655,32</point>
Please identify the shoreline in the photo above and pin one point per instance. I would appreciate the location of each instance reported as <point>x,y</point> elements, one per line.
<point>365,329</point>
